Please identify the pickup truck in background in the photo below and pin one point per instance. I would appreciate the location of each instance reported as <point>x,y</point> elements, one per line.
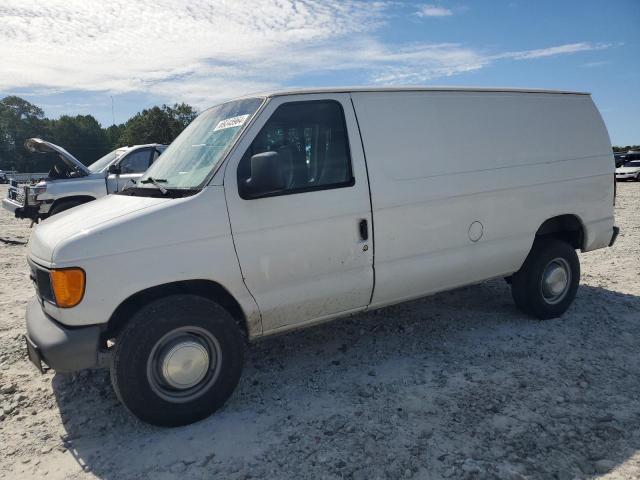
<point>70,183</point>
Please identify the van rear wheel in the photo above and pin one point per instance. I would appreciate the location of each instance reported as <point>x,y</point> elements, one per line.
<point>547,283</point>
<point>178,360</point>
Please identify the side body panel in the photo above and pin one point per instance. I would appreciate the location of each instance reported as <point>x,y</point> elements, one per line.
<point>301,255</point>
<point>440,161</point>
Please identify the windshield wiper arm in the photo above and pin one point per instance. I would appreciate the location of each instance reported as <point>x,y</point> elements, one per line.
<point>156,183</point>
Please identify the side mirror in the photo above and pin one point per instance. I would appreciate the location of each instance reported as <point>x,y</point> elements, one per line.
<point>266,175</point>
<point>114,169</point>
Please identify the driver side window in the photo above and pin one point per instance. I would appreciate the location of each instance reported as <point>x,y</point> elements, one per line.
<point>136,162</point>
<point>309,151</point>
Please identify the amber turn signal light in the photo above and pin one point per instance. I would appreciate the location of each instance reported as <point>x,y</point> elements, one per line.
<point>68,286</point>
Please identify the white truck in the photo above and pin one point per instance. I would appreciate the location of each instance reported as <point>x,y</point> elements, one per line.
<point>70,183</point>
<point>274,212</point>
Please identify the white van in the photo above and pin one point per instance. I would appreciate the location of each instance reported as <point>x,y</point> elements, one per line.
<point>284,210</point>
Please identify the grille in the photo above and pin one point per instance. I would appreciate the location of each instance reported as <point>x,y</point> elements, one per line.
<point>16,193</point>
<point>42,282</point>
<point>20,195</point>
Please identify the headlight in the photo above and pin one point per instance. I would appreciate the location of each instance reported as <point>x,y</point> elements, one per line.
<point>36,190</point>
<point>68,286</point>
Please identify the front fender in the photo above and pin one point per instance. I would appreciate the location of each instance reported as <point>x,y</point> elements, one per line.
<point>170,240</point>
<point>79,187</point>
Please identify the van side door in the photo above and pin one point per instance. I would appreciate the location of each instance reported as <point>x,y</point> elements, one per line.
<point>305,248</point>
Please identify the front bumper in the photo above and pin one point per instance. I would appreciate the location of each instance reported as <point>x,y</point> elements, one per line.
<point>33,212</point>
<point>10,204</point>
<point>626,176</point>
<point>62,348</point>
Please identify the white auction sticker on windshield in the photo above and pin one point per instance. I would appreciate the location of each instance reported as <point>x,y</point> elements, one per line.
<point>231,122</point>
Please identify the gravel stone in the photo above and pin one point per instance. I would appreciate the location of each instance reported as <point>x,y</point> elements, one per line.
<point>458,385</point>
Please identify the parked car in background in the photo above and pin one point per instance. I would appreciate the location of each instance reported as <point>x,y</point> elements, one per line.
<point>264,214</point>
<point>5,175</point>
<point>70,183</point>
<point>629,171</point>
<point>620,158</point>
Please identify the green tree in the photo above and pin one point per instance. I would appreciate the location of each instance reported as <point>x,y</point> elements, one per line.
<point>114,132</point>
<point>626,148</point>
<point>82,136</point>
<point>19,120</point>
<point>157,124</point>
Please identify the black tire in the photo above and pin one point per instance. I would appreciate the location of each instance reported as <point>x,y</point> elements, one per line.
<point>63,205</point>
<point>531,294</point>
<point>136,375</point>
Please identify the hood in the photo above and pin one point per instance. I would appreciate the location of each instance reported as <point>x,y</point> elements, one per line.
<point>37,145</point>
<point>83,220</point>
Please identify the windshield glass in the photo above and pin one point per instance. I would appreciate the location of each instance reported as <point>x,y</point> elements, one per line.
<point>102,162</point>
<point>633,163</point>
<point>198,149</point>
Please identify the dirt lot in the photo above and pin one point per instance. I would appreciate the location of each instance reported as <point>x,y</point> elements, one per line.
<point>458,385</point>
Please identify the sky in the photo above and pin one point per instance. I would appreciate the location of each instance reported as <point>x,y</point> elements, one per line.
<point>81,57</point>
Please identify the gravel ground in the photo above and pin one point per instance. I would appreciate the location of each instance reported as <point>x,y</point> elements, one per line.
<point>457,385</point>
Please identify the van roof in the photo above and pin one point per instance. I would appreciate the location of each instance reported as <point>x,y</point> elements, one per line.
<point>298,91</point>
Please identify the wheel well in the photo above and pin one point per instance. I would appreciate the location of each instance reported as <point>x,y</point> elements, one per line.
<point>563,227</point>
<point>81,198</point>
<point>204,288</point>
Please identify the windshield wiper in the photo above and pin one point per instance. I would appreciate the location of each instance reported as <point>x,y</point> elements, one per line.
<point>156,183</point>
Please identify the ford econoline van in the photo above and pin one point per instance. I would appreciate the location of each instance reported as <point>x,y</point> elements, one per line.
<point>274,212</point>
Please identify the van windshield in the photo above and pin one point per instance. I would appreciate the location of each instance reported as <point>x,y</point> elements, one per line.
<point>187,162</point>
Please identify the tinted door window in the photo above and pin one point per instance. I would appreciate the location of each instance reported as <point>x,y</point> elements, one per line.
<point>135,162</point>
<point>311,141</point>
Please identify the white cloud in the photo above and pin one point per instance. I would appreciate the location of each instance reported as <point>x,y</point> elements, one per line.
<point>202,51</point>
<point>558,50</point>
<point>159,45</point>
<point>433,11</point>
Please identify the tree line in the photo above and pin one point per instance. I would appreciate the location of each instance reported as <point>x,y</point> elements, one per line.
<point>617,149</point>
<point>81,135</point>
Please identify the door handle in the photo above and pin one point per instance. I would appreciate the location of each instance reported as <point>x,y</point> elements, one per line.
<point>364,229</point>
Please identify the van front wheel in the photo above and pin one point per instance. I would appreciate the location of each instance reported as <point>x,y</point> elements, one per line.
<point>547,283</point>
<point>177,361</point>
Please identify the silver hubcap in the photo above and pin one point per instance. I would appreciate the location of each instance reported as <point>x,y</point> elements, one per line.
<point>555,280</point>
<point>183,364</point>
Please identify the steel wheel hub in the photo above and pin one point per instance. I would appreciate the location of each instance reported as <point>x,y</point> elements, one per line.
<point>555,280</point>
<point>185,364</point>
